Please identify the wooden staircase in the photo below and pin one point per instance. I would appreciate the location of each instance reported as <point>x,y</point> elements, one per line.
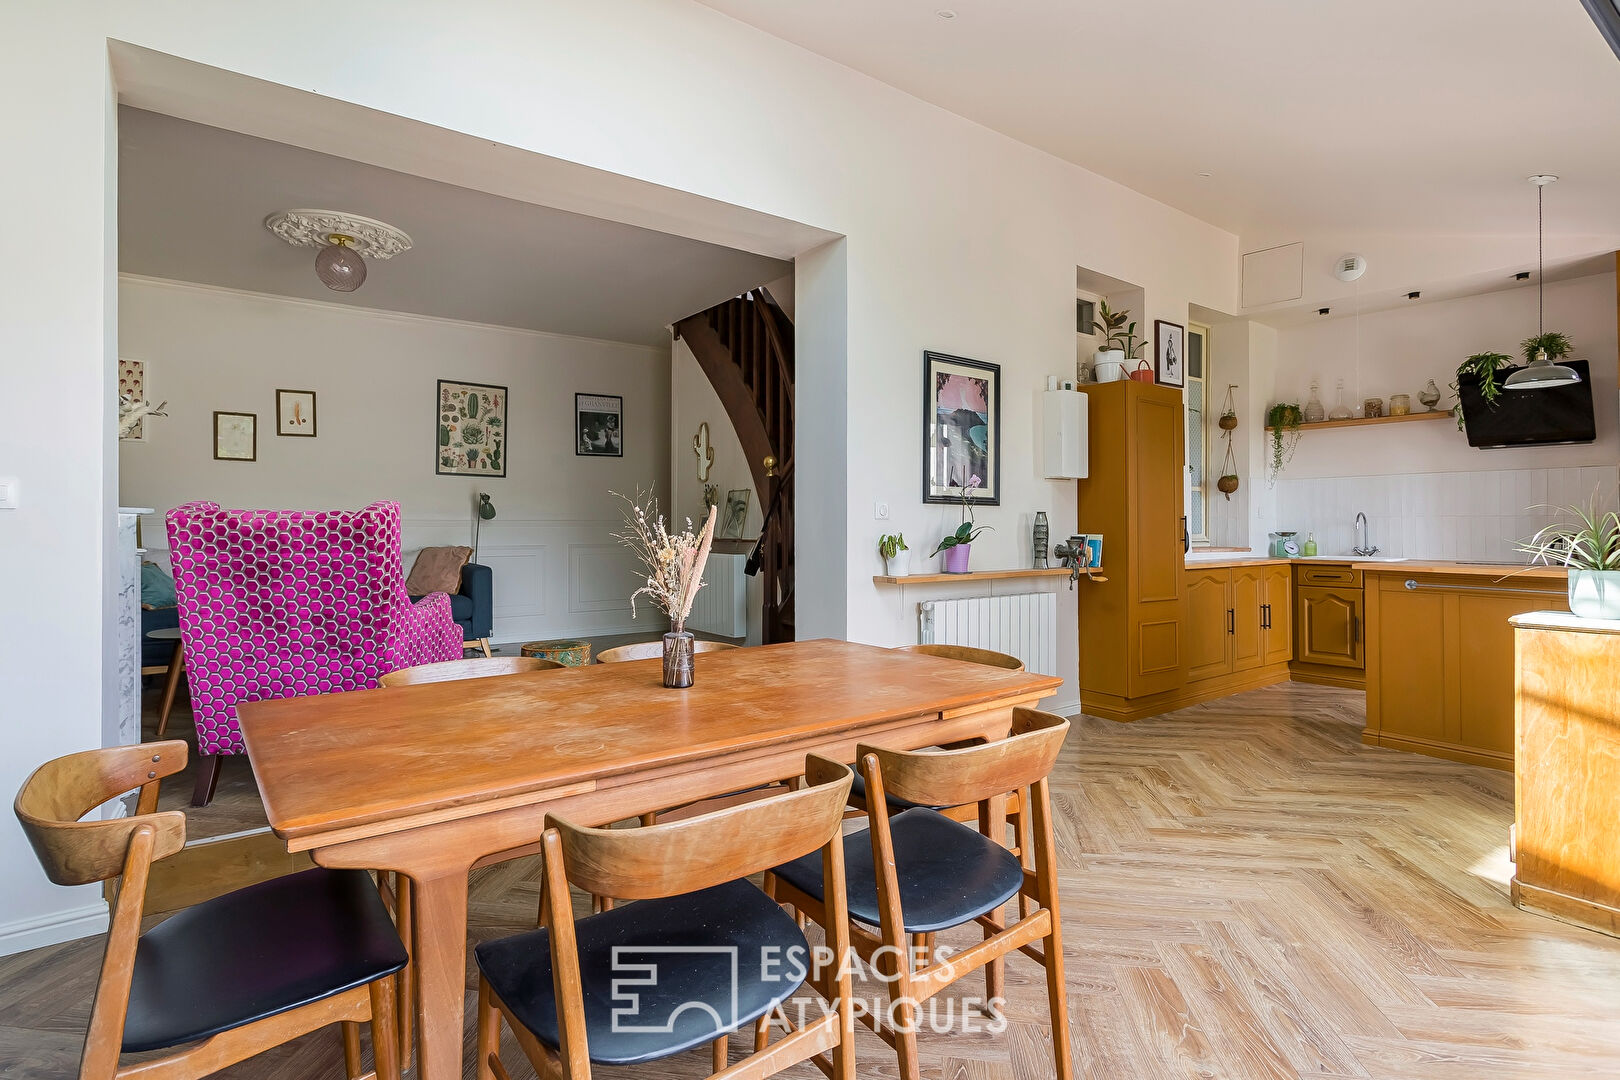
<point>745,347</point>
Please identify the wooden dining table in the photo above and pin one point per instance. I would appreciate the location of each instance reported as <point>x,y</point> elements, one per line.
<point>432,780</point>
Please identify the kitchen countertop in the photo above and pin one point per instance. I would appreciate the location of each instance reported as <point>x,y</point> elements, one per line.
<point>1221,560</point>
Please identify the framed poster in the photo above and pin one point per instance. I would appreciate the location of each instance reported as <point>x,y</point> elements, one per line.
<point>599,424</point>
<point>1169,353</point>
<point>471,429</point>
<point>295,413</point>
<point>962,429</point>
<point>132,391</point>
<point>236,436</point>
<point>735,517</point>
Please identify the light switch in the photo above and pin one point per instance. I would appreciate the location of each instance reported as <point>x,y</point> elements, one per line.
<point>8,493</point>
<point>880,511</point>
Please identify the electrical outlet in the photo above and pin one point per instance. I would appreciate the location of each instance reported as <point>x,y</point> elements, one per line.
<point>880,511</point>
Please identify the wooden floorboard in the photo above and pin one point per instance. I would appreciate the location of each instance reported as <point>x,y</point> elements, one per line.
<point>1248,893</point>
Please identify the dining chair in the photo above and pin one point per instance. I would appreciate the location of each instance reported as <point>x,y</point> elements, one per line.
<point>987,657</point>
<point>917,872</point>
<point>690,959</point>
<point>479,667</point>
<point>225,979</point>
<point>396,888</point>
<point>648,650</point>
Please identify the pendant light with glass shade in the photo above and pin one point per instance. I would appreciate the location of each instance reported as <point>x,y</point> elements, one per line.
<point>345,241</point>
<point>1541,373</point>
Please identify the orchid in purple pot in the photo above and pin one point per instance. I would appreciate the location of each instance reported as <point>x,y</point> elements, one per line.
<point>959,544</point>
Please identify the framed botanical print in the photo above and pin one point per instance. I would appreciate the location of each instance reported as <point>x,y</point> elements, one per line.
<point>295,413</point>
<point>962,429</point>
<point>236,436</point>
<point>598,425</point>
<point>1169,353</point>
<point>471,429</point>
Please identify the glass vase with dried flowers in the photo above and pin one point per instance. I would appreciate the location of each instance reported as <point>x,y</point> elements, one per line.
<point>674,563</point>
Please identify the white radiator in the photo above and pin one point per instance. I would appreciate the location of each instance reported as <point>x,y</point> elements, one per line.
<point>1023,625</point>
<point>721,606</point>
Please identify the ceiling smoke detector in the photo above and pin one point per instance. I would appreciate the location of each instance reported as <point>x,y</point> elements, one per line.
<point>1349,267</point>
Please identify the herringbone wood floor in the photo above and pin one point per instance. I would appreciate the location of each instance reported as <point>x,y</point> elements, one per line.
<point>1248,893</point>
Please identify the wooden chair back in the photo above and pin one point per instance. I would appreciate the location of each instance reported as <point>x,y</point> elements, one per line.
<point>479,667</point>
<point>987,657</point>
<point>975,773</point>
<point>696,853</point>
<point>60,792</point>
<point>648,650</point>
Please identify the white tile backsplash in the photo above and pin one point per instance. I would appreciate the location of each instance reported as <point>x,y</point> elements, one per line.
<point>1448,515</point>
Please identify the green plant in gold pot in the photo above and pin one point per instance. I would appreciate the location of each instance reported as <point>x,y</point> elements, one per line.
<point>1282,424</point>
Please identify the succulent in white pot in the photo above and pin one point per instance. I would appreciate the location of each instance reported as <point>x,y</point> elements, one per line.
<point>1587,542</point>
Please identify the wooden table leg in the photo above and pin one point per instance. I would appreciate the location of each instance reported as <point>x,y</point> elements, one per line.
<point>440,959</point>
<point>177,667</point>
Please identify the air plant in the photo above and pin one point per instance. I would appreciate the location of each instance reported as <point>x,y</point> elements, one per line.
<point>1586,539</point>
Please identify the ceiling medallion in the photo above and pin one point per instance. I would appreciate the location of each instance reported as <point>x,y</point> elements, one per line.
<point>316,228</point>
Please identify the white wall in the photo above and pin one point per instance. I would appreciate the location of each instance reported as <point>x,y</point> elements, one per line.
<point>958,239</point>
<point>557,569</point>
<point>1427,493</point>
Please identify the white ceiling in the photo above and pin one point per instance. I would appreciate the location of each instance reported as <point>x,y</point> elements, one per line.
<point>1312,116</point>
<point>192,201</point>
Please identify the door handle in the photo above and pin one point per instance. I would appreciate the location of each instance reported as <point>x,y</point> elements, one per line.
<point>1186,537</point>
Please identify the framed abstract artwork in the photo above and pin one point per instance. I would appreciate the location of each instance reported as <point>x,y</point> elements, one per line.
<point>962,429</point>
<point>132,391</point>
<point>735,516</point>
<point>471,429</point>
<point>1169,353</point>
<point>598,425</point>
<point>295,413</point>
<point>236,436</point>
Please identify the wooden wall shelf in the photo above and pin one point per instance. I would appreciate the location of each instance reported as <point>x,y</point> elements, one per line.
<point>1444,414</point>
<point>975,575</point>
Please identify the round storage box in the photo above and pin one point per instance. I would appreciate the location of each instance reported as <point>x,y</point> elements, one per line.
<point>566,651</point>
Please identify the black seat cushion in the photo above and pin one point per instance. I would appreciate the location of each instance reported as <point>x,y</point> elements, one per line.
<point>258,952</point>
<point>948,872</point>
<point>713,961</point>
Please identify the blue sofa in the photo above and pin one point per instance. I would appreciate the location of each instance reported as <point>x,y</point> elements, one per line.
<point>473,607</point>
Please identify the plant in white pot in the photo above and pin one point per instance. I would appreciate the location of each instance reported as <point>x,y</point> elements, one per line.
<point>890,546</point>
<point>1120,344</point>
<point>1587,541</point>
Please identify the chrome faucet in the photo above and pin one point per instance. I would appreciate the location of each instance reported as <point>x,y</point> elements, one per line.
<point>1364,549</point>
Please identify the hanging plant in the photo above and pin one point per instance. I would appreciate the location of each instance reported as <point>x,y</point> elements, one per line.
<point>1228,482</point>
<point>1483,367</point>
<point>1282,421</point>
<point>1556,345</point>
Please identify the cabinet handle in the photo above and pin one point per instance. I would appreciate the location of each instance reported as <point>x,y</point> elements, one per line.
<point>1355,629</point>
<point>1265,616</point>
<point>1231,621</point>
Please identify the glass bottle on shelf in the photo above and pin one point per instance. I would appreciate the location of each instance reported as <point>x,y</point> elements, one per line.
<point>1341,411</point>
<point>1313,405</point>
<point>1310,546</point>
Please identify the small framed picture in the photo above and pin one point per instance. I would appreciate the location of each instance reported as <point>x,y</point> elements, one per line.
<point>295,413</point>
<point>598,425</point>
<point>1169,353</point>
<point>734,518</point>
<point>236,436</point>
<point>1085,316</point>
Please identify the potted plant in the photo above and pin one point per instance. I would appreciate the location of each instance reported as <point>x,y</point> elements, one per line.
<point>1587,541</point>
<point>890,547</point>
<point>1282,422</point>
<point>958,546</point>
<point>1555,344</point>
<point>1483,367</point>
<point>673,563</point>
<point>1120,345</point>
<point>1227,484</point>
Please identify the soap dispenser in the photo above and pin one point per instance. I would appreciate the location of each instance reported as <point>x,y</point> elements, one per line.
<point>1310,545</point>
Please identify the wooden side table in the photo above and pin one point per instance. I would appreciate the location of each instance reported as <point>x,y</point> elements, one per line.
<point>177,668</point>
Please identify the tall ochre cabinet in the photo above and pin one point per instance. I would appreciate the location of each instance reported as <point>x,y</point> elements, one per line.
<point>1132,626</point>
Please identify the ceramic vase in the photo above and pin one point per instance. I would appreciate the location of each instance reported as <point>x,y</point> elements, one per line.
<point>956,558</point>
<point>1595,594</point>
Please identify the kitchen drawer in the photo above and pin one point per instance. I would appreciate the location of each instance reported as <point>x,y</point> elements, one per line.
<point>1329,575</point>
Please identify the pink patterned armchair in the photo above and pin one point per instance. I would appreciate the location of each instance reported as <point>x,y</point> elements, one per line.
<point>287,603</point>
